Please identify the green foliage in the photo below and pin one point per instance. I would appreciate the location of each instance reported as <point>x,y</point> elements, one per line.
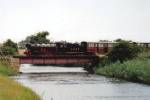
<point>144,55</point>
<point>11,90</point>
<point>104,61</point>
<point>7,70</point>
<point>123,51</point>
<point>8,51</point>
<point>89,68</point>
<point>121,40</point>
<point>137,69</point>
<point>9,48</point>
<point>38,38</point>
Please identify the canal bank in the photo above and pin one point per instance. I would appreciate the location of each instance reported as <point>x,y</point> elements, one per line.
<point>79,86</point>
<point>135,70</point>
<point>11,90</point>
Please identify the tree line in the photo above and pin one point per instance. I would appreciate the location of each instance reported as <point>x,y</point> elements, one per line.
<point>10,48</point>
<point>121,51</point>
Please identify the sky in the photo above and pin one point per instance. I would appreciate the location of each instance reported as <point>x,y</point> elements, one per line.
<point>76,20</point>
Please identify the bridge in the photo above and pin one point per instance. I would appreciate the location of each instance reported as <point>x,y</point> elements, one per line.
<point>50,60</point>
<point>59,59</point>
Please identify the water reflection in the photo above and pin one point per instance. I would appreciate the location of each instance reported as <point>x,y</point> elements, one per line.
<point>27,68</point>
<point>80,86</point>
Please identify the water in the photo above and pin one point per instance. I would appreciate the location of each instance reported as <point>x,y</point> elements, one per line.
<point>58,85</point>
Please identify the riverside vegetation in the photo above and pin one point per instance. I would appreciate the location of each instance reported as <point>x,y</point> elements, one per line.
<point>11,90</point>
<point>135,68</point>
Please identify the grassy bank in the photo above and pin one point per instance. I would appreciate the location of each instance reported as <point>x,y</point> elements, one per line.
<point>136,70</point>
<point>6,70</point>
<point>11,90</point>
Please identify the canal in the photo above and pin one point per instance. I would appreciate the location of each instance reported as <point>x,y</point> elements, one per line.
<point>62,83</point>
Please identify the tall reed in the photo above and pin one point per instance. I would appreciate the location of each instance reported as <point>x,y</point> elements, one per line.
<point>137,70</point>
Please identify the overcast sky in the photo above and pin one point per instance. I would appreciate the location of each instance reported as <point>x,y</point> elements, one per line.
<point>76,20</point>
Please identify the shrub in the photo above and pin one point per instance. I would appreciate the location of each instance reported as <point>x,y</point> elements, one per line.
<point>134,70</point>
<point>9,48</point>
<point>123,51</point>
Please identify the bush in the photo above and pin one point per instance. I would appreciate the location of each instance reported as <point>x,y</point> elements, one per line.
<point>9,48</point>
<point>134,70</point>
<point>123,51</point>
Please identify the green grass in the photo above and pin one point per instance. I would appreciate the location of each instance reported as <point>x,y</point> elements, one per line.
<point>137,70</point>
<point>6,69</point>
<point>11,90</point>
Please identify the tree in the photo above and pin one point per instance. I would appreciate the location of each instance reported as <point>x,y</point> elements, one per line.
<point>9,48</point>
<point>121,40</point>
<point>118,40</point>
<point>123,51</point>
<point>38,38</point>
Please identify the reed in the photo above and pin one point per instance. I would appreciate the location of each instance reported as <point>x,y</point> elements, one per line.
<point>137,70</point>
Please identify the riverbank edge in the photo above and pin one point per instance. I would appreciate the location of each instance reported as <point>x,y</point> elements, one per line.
<point>12,90</point>
<point>125,79</point>
<point>136,74</point>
